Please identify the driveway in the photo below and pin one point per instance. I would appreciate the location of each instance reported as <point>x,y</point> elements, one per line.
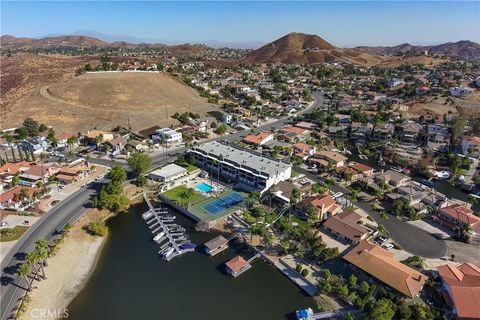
<point>463,252</point>
<point>409,237</point>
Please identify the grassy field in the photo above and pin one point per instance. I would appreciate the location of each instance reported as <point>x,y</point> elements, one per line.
<point>12,234</point>
<point>175,195</point>
<point>189,167</point>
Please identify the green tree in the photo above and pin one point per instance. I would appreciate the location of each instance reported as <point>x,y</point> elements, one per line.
<point>352,280</point>
<point>139,163</point>
<point>117,174</point>
<point>382,309</point>
<point>23,271</point>
<point>325,287</point>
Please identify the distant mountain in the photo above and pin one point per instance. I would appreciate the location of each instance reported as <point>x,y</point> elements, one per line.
<point>11,42</point>
<point>464,48</point>
<point>300,48</point>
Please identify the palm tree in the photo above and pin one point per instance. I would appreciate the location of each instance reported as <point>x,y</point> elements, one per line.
<point>42,157</point>
<point>32,259</point>
<point>42,249</point>
<point>23,271</point>
<point>465,231</point>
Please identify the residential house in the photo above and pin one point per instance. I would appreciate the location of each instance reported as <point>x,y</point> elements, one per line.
<point>461,289</point>
<point>471,146</point>
<point>383,131</point>
<point>136,145</point>
<point>39,173</point>
<point>259,139</point>
<point>345,226</point>
<point>117,144</point>
<point>461,91</point>
<point>438,137</point>
<point>63,138</point>
<point>335,158</point>
<point>293,132</point>
<point>35,145</point>
<point>306,125</point>
<point>381,264</point>
<point>421,91</point>
<point>284,189</point>
<point>410,131</point>
<point>361,131</point>
<point>227,118</point>
<point>8,170</point>
<point>456,216</point>
<point>303,150</point>
<point>337,132</point>
<point>362,169</point>
<point>12,199</point>
<point>326,206</point>
<point>91,137</point>
<point>394,82</point>
<point>167,135</point>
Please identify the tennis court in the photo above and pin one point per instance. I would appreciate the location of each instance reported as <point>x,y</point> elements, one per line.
<point>224,203</point>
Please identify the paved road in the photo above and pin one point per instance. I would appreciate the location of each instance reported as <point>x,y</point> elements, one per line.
<point>409,237</point>
<point>72,208</point>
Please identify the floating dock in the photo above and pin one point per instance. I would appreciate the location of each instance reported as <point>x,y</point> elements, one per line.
<point>160,221</point>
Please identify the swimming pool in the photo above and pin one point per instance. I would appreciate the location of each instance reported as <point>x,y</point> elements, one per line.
<point>204,187</point>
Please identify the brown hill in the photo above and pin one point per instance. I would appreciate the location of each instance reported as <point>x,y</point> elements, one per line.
<point>300,48</point>
<point>11,42</point>
<point>462,48</point>
<point>105,100</point>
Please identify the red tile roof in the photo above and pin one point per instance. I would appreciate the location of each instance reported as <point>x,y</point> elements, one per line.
<point>10,194</point>
<point>472,140</point>
<point>257,139</point>
<point>380,264</point>
<point>360,167</point>
<point>462,214</point>
<point>464,283</point>
<point>236,264</point>
<point>293,130</point>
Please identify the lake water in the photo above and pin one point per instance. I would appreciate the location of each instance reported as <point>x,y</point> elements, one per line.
<point>132,282</point>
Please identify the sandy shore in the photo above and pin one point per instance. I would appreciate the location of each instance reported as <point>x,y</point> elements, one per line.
<point>68,271</point>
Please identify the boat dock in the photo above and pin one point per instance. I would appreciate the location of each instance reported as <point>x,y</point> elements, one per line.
<point>160,222</point>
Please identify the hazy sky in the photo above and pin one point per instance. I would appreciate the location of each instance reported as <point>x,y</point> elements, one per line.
<point>343,23</point>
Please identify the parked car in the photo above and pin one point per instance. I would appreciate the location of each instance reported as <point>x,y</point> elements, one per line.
<point>387,246</point>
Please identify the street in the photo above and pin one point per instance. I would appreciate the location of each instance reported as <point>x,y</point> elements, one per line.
<point>409,237</point>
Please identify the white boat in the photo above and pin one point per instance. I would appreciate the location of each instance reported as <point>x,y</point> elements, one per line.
<point>158,236</point>
<point>168,252</point>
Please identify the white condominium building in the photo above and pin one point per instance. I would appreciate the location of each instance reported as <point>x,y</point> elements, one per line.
<point>250,171</point>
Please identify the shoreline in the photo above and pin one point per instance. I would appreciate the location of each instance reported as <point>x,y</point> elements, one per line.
<point>68,271</point>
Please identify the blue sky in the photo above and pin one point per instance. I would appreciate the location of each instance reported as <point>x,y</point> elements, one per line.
<point>342,23</point>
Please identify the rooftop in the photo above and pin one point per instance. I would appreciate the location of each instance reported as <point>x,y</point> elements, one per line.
<point>380,264</point>
<point>170,170</point>
<point>464,282</point>
<point>242,158</point>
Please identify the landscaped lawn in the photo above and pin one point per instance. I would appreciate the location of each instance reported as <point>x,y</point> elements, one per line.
<point>175,195</point>
<point>302,224</point>
<point>12,234</point>
<point>189,167</point>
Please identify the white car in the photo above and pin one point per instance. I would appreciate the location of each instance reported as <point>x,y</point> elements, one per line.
<point>387,246</point>
<point>337,195</point>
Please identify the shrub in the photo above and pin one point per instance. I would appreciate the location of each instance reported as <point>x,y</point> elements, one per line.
<point>97,228</point>
<point>299,268</point>
<point>304,272</point>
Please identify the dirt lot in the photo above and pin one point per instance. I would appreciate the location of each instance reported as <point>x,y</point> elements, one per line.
<point>435,107</point>
<point>105,100</point>
<point>23,73</point>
